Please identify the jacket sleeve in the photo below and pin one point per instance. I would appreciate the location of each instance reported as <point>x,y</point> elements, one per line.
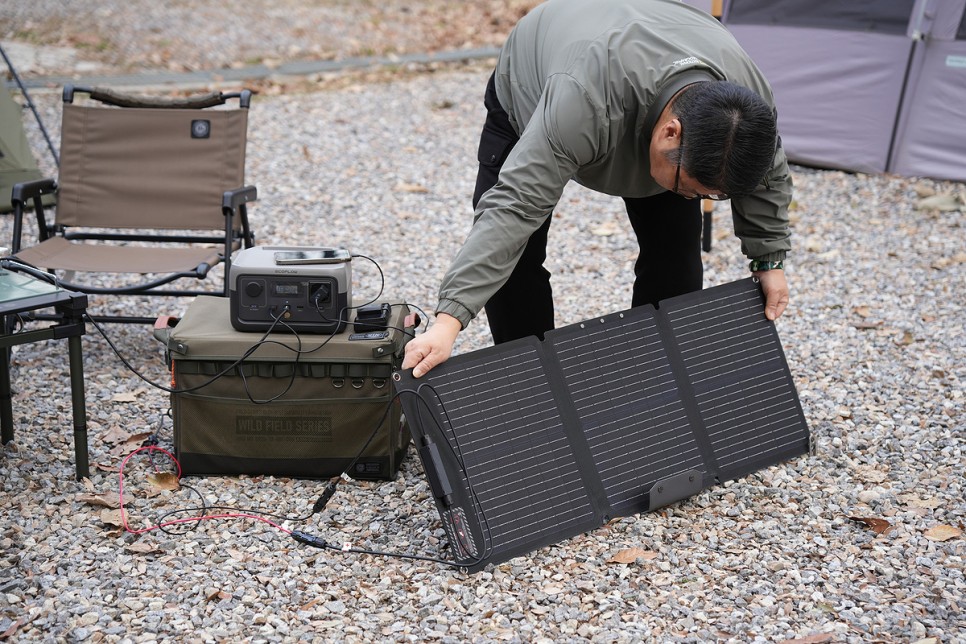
<point>761,218</point>
<point>561,136</point>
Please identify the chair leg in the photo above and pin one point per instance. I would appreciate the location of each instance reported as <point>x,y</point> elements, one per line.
<point>79,406</point>
<point>707,207</point>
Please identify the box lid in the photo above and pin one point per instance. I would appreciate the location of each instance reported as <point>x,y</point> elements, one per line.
<point>205,333</point>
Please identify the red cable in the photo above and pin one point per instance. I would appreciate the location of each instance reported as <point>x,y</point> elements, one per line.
<point>127,528</point>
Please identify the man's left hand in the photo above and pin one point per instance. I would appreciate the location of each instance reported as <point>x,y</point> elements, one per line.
<point>775,288</point>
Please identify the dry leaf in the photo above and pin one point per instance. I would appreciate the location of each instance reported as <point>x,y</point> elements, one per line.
<point>605,230</point>
<point>879,526</point>
<point>942,203</point>
<point>238,555</point>
<point>871,474</point>
<point>135,440</point>
<point>112,517</point>
<point>816,638</point>
<point>863,326</point>
<point>943,533</point>
<point>126,396</point>
<point>411,187</point>
<point>553,589</point>
<point>164,480</point>
<point>862,311</point>
<point>141,548</point>
<point>14,627</point>
<point>97,499</point>
<point>115,434</point>
<point>130,443</point>
<point>630,555</point>
<point>906,339</point>
<point>914,501</point>
<point>216,593</point>
<point>309,604</point>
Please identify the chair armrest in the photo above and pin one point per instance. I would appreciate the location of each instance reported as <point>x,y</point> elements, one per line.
<point>19,196</point>
<point>239,196</point>
<point>32,190</point>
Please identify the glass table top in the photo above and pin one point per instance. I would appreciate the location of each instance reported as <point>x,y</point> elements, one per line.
<point>15,287</point>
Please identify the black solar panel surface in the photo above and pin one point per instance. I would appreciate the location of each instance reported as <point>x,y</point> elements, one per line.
<point>541,441</point>
<point>627,403</point>
<point>505,440</point>
<point>740,380</point>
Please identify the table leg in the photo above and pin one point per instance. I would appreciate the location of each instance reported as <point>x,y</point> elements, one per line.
<point>6,398</point>
<point>79,405</point>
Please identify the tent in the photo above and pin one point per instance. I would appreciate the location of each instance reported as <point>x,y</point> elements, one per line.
<point>17,162</point>
<point>864,85</point>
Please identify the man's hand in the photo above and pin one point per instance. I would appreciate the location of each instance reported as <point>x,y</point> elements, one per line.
<point>433,347</point>
<point>775,288</point>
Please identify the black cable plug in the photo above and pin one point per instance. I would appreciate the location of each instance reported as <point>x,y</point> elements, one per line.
<point>327,494</point>
<point>309,539</point>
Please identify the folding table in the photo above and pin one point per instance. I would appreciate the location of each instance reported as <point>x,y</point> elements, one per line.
<point>20,293</point>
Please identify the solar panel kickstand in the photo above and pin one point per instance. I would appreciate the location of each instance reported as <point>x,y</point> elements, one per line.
<point>674,488</point>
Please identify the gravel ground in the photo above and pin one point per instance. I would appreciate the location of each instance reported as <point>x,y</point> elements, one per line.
<point>874,338</point>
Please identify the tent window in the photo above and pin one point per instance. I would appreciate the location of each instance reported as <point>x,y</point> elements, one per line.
<point>880,16</point>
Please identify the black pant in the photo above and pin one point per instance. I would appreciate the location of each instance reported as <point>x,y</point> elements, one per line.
<point>668,229</point>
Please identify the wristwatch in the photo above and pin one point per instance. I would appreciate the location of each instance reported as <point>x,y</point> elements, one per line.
<point>757,265</point>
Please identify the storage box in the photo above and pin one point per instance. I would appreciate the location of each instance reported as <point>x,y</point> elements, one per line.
<point>299,405</point>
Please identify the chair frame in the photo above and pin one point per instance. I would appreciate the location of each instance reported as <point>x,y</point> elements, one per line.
<point>28,196</point>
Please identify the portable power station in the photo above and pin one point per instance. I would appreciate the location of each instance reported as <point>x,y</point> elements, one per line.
<point>294,289</point>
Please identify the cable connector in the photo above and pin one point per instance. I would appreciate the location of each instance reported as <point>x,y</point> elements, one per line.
<point>327,494</point>
<point>309,539</point>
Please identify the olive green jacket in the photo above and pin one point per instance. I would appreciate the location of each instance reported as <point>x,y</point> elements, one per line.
<point>583,83</point>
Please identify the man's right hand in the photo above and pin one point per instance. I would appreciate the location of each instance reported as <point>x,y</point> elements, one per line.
<point>433,347</point>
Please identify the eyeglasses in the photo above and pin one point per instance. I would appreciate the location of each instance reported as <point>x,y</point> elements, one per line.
<point>696,195</point>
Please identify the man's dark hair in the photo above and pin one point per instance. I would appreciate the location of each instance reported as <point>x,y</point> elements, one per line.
<point>729,136</point>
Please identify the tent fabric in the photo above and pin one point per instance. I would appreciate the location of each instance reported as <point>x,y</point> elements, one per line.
<point>929,138</point>
<point>836,103</point>
<point>17,163</point>
<point>881,16</point>
<point>869,86</point>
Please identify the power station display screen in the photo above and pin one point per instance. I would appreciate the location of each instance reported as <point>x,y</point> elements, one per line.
<point>286,290</point>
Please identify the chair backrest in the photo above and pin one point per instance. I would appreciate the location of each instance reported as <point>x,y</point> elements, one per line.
<point>143,167</point>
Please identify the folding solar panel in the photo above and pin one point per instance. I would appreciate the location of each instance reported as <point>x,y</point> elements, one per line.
<point>528,443</point>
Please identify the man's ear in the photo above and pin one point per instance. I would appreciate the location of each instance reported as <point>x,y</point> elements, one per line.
<point>667,135</point>
<point>671,130</point>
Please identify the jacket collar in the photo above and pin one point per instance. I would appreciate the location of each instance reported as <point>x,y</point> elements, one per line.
<point>674,85</point>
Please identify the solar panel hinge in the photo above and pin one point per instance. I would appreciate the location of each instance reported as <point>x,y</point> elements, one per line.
<point>674,488</point>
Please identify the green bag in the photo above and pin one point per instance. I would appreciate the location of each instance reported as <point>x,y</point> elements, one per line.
<point>305,405</point>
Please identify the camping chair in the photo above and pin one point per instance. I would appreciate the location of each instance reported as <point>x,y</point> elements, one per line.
<point>147,186</point>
